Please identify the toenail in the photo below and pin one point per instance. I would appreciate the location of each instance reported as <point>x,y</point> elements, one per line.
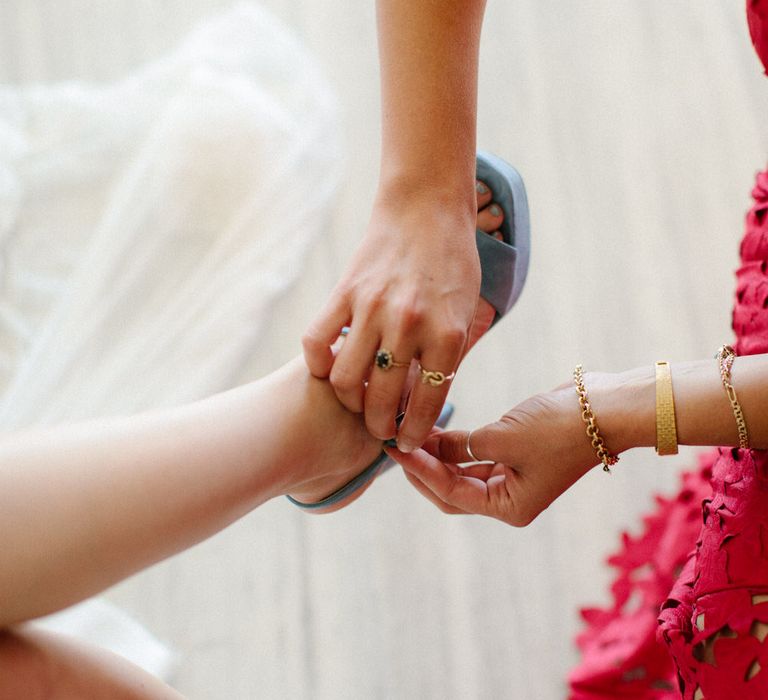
<point>481,187</point>
<point>495,210</point>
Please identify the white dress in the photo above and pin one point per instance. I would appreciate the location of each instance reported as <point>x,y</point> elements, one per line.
<point>147,227</point>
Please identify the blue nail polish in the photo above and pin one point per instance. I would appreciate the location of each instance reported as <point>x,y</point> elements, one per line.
<point>495,210</point>
<point>481,187</point>
<point>392,442</point>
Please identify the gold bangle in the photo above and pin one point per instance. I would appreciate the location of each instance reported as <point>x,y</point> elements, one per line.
<point>666,428</point>
<point>593,432</point>
<point>725,357</point>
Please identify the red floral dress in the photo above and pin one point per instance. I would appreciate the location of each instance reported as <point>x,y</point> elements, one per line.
<point>692,591</point>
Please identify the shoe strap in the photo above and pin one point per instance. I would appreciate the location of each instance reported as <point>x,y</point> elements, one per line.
<point>497,261</point>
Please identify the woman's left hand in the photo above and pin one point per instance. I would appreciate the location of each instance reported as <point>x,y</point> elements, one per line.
<point>535,452</point>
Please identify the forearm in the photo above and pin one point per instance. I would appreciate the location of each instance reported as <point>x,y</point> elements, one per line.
<point>429,61</point>
<point>625,404</point>
<point>84,506</point>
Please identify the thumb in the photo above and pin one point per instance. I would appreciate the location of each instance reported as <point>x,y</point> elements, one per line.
<point>457,446</point>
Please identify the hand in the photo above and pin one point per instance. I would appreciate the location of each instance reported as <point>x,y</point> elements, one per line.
<point>412,288</point>
<point>536,451</point>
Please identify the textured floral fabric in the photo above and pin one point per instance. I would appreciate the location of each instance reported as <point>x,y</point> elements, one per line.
<point>757,16</point>
<point>692,590</point>
<point>690,600</point>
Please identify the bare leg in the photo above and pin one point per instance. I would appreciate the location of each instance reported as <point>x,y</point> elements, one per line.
<point>84,506</point>
<point>37,665</point>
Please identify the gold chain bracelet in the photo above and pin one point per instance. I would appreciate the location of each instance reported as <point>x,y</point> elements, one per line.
<point>725,357</point>
<point>593,432</point>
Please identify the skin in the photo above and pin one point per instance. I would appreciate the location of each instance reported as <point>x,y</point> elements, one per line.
<point>412,286</point>
<point>84,506</point>
<point>539,448</point>
<point>37,665</point>
<point>489,218</point>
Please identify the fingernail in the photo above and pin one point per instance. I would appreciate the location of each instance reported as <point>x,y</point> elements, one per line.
<point>481,187</point>
<point>405,447</point>
<point>495,210</point>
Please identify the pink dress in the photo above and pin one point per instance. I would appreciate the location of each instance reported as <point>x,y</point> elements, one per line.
<point>691,590</point>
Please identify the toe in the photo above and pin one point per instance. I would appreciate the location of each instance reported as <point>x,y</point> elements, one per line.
<point>484,194</point>
<point>490,218</point>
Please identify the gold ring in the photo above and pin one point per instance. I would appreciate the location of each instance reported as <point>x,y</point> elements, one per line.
<point>384,359</point>
<point>433,377</point>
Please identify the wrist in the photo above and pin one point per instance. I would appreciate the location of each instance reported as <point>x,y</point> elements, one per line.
<point>428,187</point>
<point>625,406</point>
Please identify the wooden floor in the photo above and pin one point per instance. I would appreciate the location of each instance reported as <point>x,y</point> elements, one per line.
<point>638,127</point>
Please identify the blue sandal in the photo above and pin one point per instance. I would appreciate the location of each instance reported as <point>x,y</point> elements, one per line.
<point>379,465</point>
<point>504,264</point>
<point>504,267</point>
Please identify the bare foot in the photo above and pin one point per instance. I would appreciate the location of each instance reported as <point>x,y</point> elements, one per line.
<point>347,443</point>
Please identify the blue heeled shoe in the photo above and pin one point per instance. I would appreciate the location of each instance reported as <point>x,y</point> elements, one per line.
<point>504,266</point>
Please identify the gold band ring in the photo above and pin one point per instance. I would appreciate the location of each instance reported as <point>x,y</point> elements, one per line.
<point>433,377</point>
<point>384,359</point>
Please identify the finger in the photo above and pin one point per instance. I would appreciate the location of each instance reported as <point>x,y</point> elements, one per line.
<point>482,470</point>
<point>484,194</point>
<point>461,446</point>
<point>352,364</point>
<point>385,390</point>
<point>451,487</point>
<point>479,470</point>
<point>424,491</point>
<point>490,218</point>
<point>322,332</point>
<point>426,399</point>
<point>339,341</point>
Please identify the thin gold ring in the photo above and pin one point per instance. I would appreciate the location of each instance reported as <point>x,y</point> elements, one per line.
<point>384,359</point>
<point>434,377</point>
<point>469,449</point>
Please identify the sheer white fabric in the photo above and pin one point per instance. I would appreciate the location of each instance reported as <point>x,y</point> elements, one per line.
<point>146,228</point>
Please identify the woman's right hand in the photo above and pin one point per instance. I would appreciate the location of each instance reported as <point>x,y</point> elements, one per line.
<point>534,453</point>
<point>412,289</point>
